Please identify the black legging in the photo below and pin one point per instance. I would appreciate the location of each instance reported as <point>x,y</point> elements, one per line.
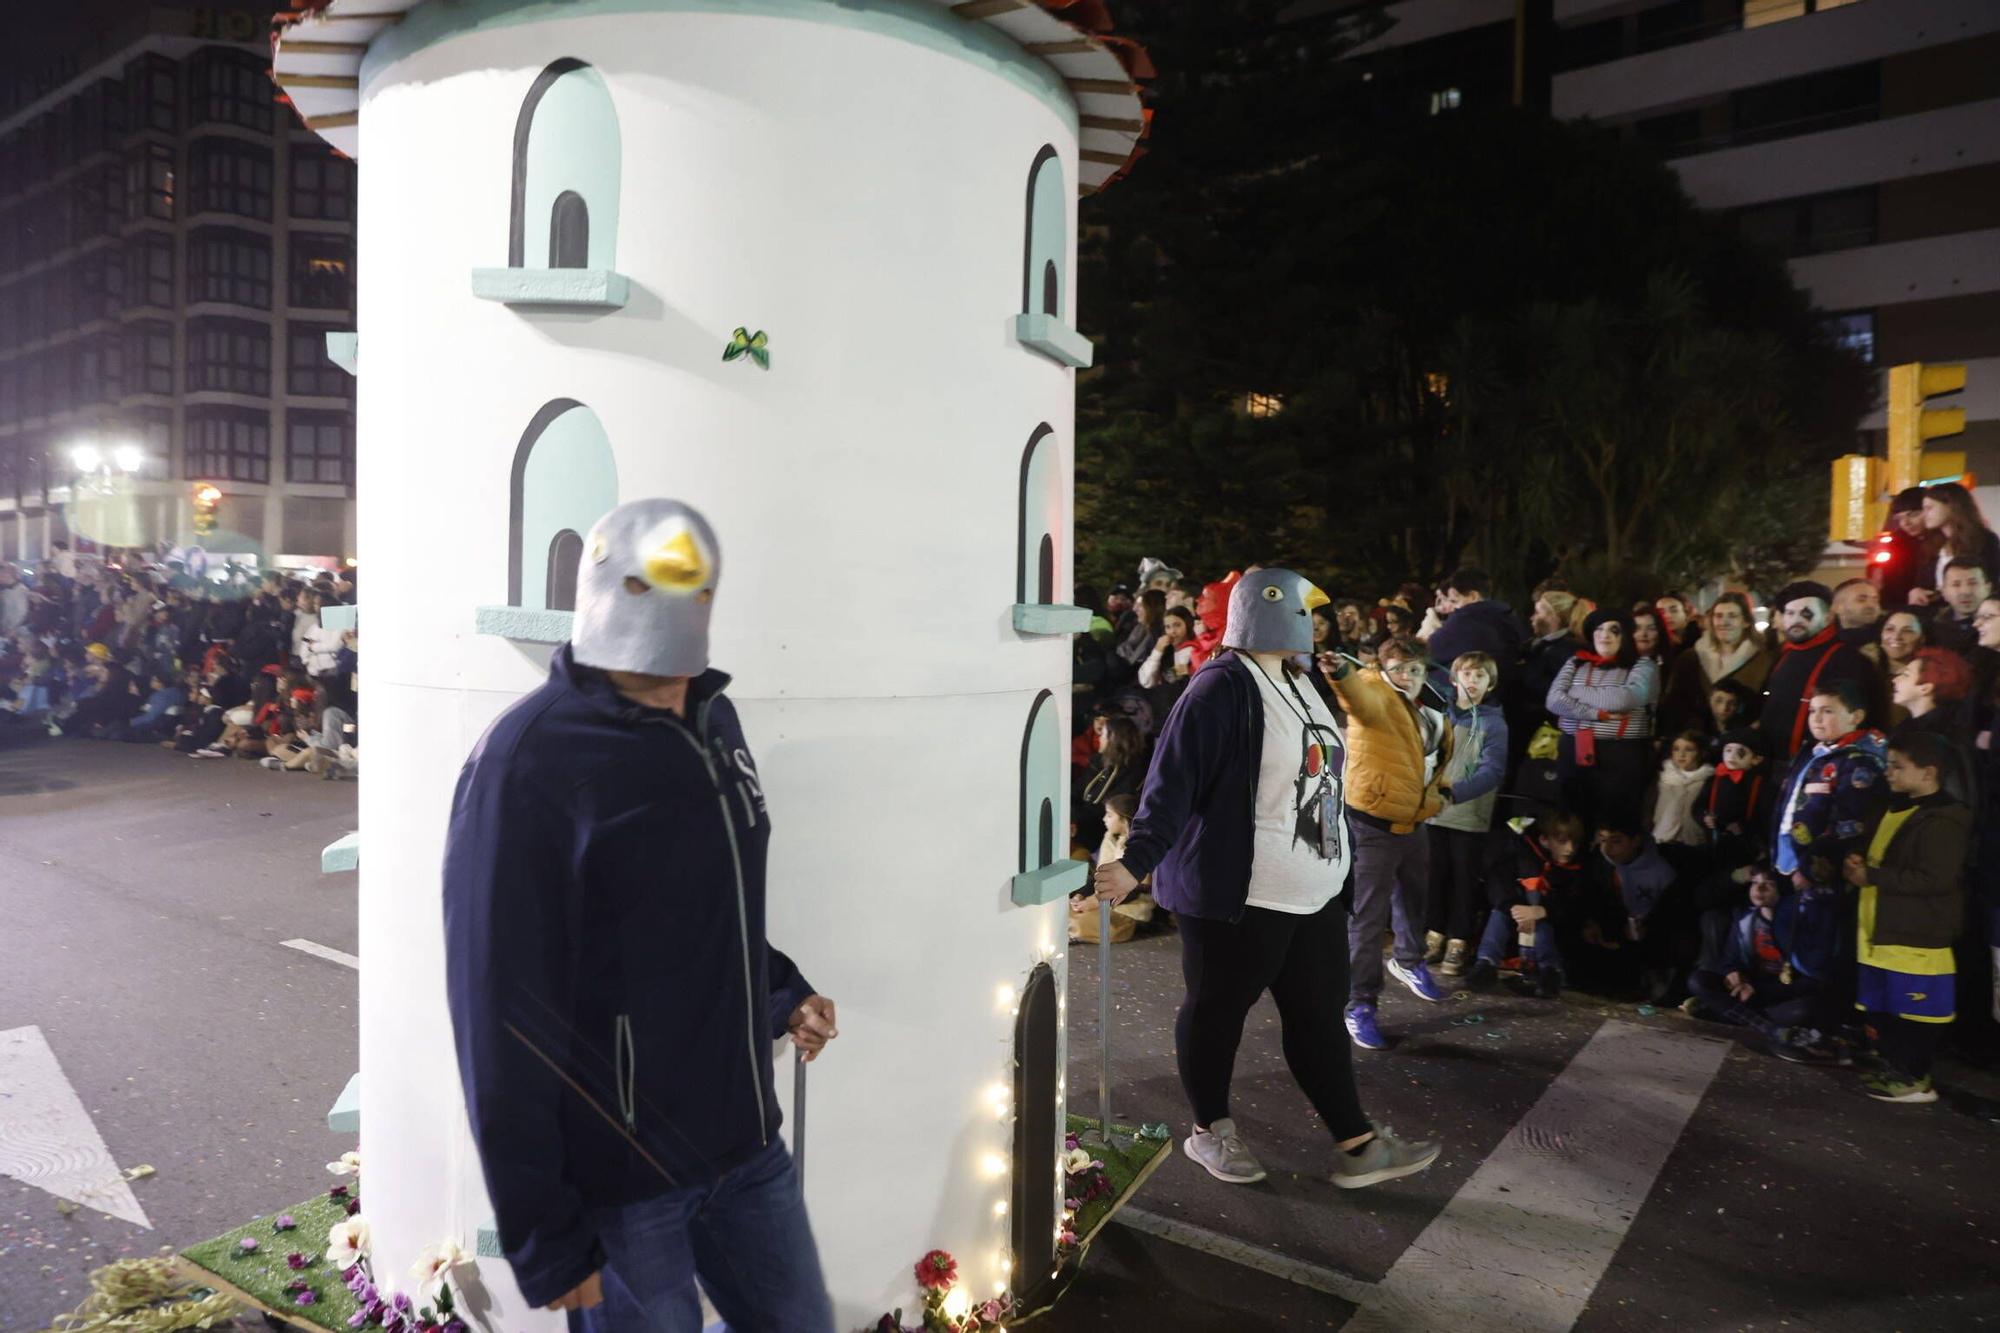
<point>1458,891</point>
<point>1614,787</point>
<point>1302,961</point>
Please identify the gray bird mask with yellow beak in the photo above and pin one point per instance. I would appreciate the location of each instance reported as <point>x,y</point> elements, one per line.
<point>645,589</point>
<point>1270,611</point>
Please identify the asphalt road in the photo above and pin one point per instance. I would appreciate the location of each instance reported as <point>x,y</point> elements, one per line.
<point>143,898</point>
<point>1788,1201</point>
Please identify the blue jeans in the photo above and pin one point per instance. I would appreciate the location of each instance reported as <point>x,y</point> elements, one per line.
<point>746,1240</point>
<point>1501,931</point>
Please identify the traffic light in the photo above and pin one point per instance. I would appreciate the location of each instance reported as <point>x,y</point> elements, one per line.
<point>206,497</point>
<point>1912,421</point>
<point>1859,508</point>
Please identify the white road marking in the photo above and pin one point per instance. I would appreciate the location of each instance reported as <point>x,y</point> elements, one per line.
<point>1243,1253</point>
<point>1525,1241</point>
<point>321,951</point>
<point>47,1138</point>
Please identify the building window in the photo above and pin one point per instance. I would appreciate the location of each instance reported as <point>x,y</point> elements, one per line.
<point>231,177</point>
<point>151,88</point>
<point>149,357</point>
<point>322,185</point>
<point>149,270</point>
<point>308,371</point>
<point>100,284</point>
<point>1822,101</point>
<point>232,266</point>
<point>1814,225</point>
<point>1854,331</point>
<point>230,87</point>
<point>229,356</point>
<point>1757,13</point>
<point>319,448</point>
<point>1262,405</point>
<point>101,371</point>
<point>149,183</point>
<point>322,272</point>
<point>1446,99</point>
<point>227,444</point>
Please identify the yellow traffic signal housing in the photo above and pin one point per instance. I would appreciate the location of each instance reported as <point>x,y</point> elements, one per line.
<point>1858,507</point>
<point>1912,420</point>
<point>206,497</point>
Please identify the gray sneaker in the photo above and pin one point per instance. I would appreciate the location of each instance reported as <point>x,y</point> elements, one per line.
<point>1384,1157</point>
<point>1220,1152</point>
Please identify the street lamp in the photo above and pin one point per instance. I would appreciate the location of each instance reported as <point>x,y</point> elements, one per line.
<point>129,457</point>
<point>86,457</point>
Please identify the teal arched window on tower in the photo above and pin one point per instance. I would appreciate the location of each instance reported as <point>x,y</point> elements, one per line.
<point>564,480</point>
<point>1044,279</point>
<point>562,225</point>
<point>566,163</point>
<point>1041,556</point>
<point>1046,873</point>
<point>1043,323</point>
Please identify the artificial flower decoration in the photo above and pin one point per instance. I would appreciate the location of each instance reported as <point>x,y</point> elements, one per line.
<point>348,1165</point>
<point>338,1192</point>
<point>353,1207</point>
<point>434,1266</point>
<point>756,346</point>
<point>347,1242</point>
<point>283,1222</point>
<point>295,1261</point>
<point>1075,1160</point>
<point>937,1271</point>
<point>248,1245</point>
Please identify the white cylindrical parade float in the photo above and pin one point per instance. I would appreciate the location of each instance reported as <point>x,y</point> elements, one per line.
<point>806,265</point>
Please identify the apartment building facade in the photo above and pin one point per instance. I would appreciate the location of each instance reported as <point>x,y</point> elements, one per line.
<point>1859,139</point>
<point>174,250</point>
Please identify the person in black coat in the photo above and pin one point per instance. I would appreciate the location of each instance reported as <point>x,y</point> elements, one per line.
<point>1812,658</point>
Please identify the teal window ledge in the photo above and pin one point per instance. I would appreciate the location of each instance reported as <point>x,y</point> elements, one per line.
<point>343,348</point>
<point>342,855</point>
<point>1036,618</point>
<point>1054,339</point>
<point>598,287</point>
<point>523,623</point>
<point>344,1116</point>
<point>1051,883</point>
<point>339,617</point>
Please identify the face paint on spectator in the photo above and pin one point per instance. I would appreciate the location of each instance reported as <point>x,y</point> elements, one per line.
<point>1803,617</point>
<point>1740,757</point>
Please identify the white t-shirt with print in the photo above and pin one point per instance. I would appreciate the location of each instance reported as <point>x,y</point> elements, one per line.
<point>1288,875</point>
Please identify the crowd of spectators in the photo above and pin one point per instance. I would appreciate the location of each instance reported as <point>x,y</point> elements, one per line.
<point>131,646</point>
<point>1780,814</point>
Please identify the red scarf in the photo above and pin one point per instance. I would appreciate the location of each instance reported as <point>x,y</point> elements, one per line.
<point>1825,636</point>
<point>1595,659</point>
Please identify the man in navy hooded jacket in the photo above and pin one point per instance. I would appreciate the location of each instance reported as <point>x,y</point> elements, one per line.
<point>612,994</point>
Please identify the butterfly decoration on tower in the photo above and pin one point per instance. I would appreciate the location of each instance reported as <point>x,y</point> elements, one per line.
<point>756,346</point>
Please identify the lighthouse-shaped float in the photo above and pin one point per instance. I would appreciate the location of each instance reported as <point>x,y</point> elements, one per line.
<point>569,211</point>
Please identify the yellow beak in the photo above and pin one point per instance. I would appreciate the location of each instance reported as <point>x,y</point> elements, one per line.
<point>677,565</point>
<point>1314,598</point>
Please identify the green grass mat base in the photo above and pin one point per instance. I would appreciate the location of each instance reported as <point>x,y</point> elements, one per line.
<point>263,1274</point>
<point>1125,1165</point>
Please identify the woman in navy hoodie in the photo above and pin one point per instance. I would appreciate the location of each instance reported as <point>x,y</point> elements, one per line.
<point>1242,826</point>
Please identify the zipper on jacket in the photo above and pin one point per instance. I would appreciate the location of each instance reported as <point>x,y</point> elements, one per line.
<point>700,744</point>
<point>627,1072</point>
